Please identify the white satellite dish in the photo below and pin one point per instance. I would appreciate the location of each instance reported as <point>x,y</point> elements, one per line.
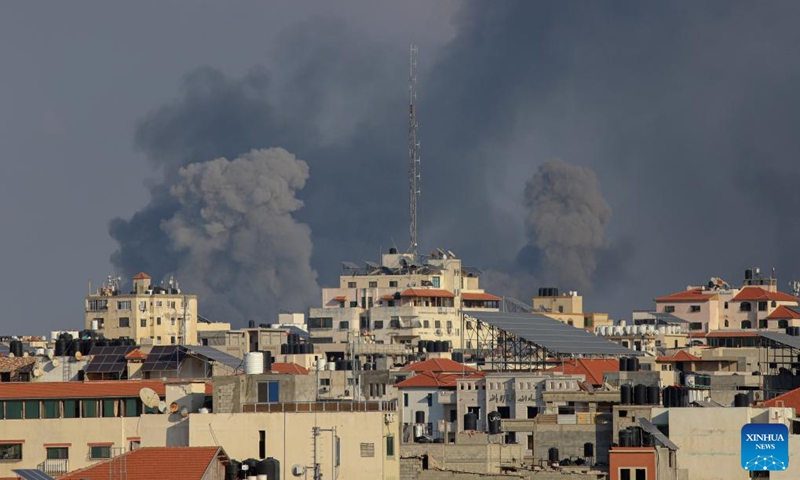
<point>184,412</point>
<point>162,406</point>
<point>37,372</point>
<point>50,353</point>
<point>56,362</point>
<point>298,470</point>
<point>11,355</point>
<point>149,397</point>
<point>78,356</point>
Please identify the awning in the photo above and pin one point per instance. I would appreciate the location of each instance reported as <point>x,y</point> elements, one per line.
<point>480,297</point>
<point>427,293</point>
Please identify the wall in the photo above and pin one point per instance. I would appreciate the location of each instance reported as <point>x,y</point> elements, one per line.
<point>569,440</point>
<point>231,392</point>
<point>483,457</point>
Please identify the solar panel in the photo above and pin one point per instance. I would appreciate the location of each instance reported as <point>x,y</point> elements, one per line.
<point>217,356</point>
<point>31,474</point>
<point>372,264</point>
<point>783,338</point>
<point>350,265</point>
<point>654,431</point>
<point>108,359</point>
<point>162,358</point>
<point>471,271</point>
<point>552,335</point>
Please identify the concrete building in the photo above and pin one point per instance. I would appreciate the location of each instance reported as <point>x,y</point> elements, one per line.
<point>150,314</point>
<point>400,301</point>
<point>568,308</point>
<point>185,463</point>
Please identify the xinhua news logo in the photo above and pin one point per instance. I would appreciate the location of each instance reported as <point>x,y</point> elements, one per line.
<point>765,446</point>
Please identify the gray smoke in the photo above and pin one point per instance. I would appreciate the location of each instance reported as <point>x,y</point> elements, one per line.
<point>566,222</point>
<point>234,236</point>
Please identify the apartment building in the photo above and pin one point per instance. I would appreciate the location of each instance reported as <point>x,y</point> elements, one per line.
<point>402,300</point>
<point>568,308</point>
<point>150,314</point>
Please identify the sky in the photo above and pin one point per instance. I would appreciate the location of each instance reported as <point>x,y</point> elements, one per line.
<point>622,149</point>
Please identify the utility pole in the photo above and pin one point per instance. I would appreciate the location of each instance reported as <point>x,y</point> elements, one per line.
<point>413,151</point>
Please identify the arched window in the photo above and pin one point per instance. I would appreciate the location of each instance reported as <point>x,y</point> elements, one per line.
<point>783,323</point>
<point>726,305</point>
<point>727,324</point>
<point>746,324</point>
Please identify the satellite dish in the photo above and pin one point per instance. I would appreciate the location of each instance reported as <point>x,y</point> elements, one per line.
<point>162,406</point>
<point>184,412</point>
<point>78,356</point>
<point>56,362</point>
<point>173,407</point>
<point>11,355</point>
<point>37,372</point>
<point>149,397</point>
<point>298,470</point>
<point>50,353</point>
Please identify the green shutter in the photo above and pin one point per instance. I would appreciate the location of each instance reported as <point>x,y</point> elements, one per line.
<point>51,409</point>
<point>90,408</point>
<point>131,407</point>
<point>2,410</point>
<point>32,409</point>
<point>71,409</point>
<point>108,408</point>
<point>14,410</point>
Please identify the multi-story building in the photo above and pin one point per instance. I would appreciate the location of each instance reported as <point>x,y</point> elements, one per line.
<point>400,301</point>
<point>567,308</point>
<point>718,306</point>
<point>150,314</point>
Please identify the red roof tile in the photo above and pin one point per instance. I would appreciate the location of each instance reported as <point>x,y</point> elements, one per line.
<point>289,368</point>
<point>95,389</point>
<point>141,276</point>
<point>680,356</point>
<point>782,312</point>
<point>339,298</point>
<point>13,364</point>
<point>593,368</point>
<point>426,292</point>
<point>691,295</point>
<point>749,294</point>
<point>789,399</point>
<point>739,334</point>
<point>387,297</point>
<point>480,296</point>
<point>429,380</point>
<point>438,365</point>
<point>148,463</point>
<point>136,355</point>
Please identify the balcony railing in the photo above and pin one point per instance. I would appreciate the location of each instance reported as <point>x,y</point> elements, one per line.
<point>317,407</point>
<point>54,466</point>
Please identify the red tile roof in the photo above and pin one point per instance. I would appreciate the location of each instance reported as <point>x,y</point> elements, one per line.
<point>289,368</point>
<point>749,294</point>
<point>434,380</point>
<point>339,298</point>
<point>94,389</point>
<point>739,334</point>
<point>680,356</point>
<point>141,276</point>
<point>136,355</point>
<point>593,368</point>
<point>782,312</point>
<point>148,463</point>
<point>13,364</point>
<point>480,296</point>
<point>438,365</point>
<point>426,292</point>
<point>788,399</point>
<point>387,297</point>
<point>691,295</point>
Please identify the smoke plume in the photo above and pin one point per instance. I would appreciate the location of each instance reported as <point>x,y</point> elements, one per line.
<point>565,224</point>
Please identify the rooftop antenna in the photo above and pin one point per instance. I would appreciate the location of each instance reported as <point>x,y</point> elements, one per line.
<point>413,151</point>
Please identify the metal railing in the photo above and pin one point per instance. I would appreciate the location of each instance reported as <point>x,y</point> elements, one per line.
<point>317,407</point>
<point>54,466</point>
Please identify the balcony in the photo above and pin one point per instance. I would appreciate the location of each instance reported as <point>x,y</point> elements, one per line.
<point>446,397</point>
<point>54,466</point>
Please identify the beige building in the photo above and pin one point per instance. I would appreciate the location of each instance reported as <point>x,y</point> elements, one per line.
<point>150,314</point>
<point>568,308</point>
<point>400,301</point>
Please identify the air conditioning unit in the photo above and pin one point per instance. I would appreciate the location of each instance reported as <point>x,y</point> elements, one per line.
<point>388,418</point>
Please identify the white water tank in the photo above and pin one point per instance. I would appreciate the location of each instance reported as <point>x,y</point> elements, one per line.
<point>331,366</point>
<point>320,364</point>
<point>619,330</point>
<point>622,323</point>
<point>253,363</point>
<point>95,325</point>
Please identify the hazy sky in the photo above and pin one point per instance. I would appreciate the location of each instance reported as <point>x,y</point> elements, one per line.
<point>686,114</point>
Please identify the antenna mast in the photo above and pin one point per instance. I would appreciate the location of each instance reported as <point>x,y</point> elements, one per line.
<point>413,151</point>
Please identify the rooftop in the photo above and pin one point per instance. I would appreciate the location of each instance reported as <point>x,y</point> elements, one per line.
<point>789,399</point>
<point>749,294</point>
<point>592,368</point>
<point>691,295</point>
<point>438,365</point>
<point>147,463</point>
<point>434,380</point>
<point>426,292</point>
<point>289,368</point>
<point>480,296</point>
<point>141,276</point>
<point>784,312</point>
<point>680,356</point>
<point>60,390</point>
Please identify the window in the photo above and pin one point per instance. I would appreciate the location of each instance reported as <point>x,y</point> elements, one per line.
<point>172,321</point>
<point>726,305</point>
<point>143,322</point>
<point>762,323</point>
<point>436,282</point>
<point>351,284</point>
<point>159,303</point>
<point>762,306</point>
<point>378,324</point>
<point>134,445</point>
<point>124,305</point>
<point>727,324</point>
<point>390,446</point>
<point>695,326</point>
<point>158,340</point>
<point>437,323</point>
<point>90,409</point>
<point>98,305</point>
<point>344,325</point>
<point>131,407</point>
<point>774,304</point>
<point>268,392</point>
<point>783,323</point>
<point>744,307</point>
<point>172,339</point>
<point>694,308</point>
<point>405,399</point>
<point>51,409</point>
<point>320,323</point>
<point>171,305</point>
<point>393,283</point>
<point>746,324</point>
<point>100,451</point>
<point>367,450</point>
<point>560,309</point>
<point>262,444</point>
<point>142,305</point>
<point>11,451</point>
<point>72,409</point>
<point>57,453</point>
<point>158,321</point>
<point>669,309</point>
<point>32,409</point>
<point>124,322</point>
<point>373,284</point>
<point>109,408</point>
<point>353,304</point>
<point>588,322</point>
<point>426,324</point>
<point>100,322</point>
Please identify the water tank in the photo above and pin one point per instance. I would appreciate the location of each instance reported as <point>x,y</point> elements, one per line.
<point>541,292</point>
<point>588,449</point>
<point>740,400</point>
<point>554,292</point>
<point>626,394</point>
<point>652,395</point>
<point>285,349</point>
<point>419,416</point>
<point>552,455</point>
<point>101,342</point>
<point>748,274</point>
<point>367,366</point>
<point>447,345</point>
<point>253,363</point>
<point>623,364</point>
<point>88,345</point>
<point>470,421</point>
<point>95,324</point>
<point>633,364</point>
<point>458,357</point>
<point>251,324</point>
<point>232,470</point>
<point>421,346</point>
<point>430,346</point>
<point>494,423</point>
<point>251,464</point>
<point>331,366</point>
<point>267,361</point>
<point>61,347</point>
<point>625,438</point>
<point>640,394</point>
<point>269,469</point>
<point>16,348</point>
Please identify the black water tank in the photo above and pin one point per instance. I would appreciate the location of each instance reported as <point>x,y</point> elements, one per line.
<point>588,449</point>
<point>675,397</point>
<point>367,366</point>
<point>448,345</point>
<point>748,274</point>
<point>626,394</point>
<point>625,438</point>
<point>552,455</point>
<point>470,421</point>
<point>636,436</point>
<point>232,470</point>
<point>77,346</point>
<point>309,347</point>
<point>284,349</point>
<point>251,324</point>
<point>430,346</point>
<point>740,400</point>
<point>541,292</point>
<point>633,364</point>
<point>458,357</point>
<point>640,394</point>
<point>267,361</point>
<point>419,416</point>
<point>555,292</point>
<point>652,395</point>
<point>87,346</point>
<point>392,250</point>
<point>494,422</point>
<point>623,364</point>
<point>61,347</point>
<point>648,440</point>
<point>421,346</point>
<point>81,375</point>
<point>665,398</point>
<point>101,342</point>
<point>269,467</point>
